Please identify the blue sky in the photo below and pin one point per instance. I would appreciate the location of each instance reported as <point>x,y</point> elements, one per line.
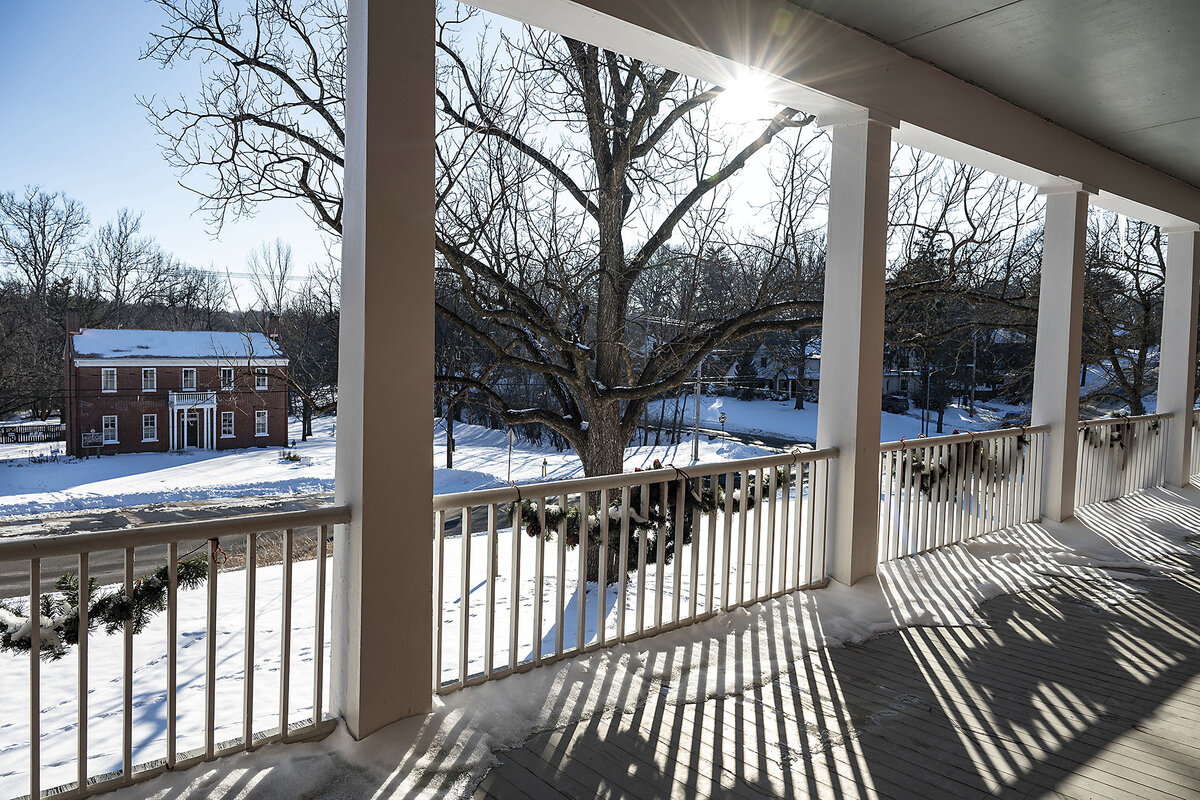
<point>69,77</point>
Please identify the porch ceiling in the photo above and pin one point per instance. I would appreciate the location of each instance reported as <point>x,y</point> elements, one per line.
<point>1122,74</point>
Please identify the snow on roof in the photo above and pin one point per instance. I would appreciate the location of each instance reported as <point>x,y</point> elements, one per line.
<point>103,343</point>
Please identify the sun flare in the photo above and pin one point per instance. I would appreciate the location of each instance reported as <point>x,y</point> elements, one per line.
<point>745,99</point>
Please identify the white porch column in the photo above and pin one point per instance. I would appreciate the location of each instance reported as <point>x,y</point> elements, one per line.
<point>383,575</point>
<point>1059,339</point>
<point>1177,355</point>
<point>171,424</point>
<point>852,338</point>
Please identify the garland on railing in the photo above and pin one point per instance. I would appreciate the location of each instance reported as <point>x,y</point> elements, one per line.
<point>647,516</point>
<point>962,459</point>
<point>58,617</point>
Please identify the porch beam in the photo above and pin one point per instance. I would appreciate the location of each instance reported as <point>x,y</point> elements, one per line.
<point>1059,342</point>
<point>852,337</point>
<point>1177,357</point>
<point>382,592</point>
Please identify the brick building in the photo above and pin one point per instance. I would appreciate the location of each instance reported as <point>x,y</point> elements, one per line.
<point>138,391</point>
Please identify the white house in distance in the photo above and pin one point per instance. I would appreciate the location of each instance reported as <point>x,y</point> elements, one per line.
<point>776,369</point>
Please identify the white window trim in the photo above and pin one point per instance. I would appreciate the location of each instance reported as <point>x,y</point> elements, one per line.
<point>263,414</point>
<point>183,379</point>
<point>104,429</point>
<point>155,418</point>
<point>153,374</point>
<point>231,434</point>
<point>227,386</point>
<point>260,377</point>
<point>106,371</point>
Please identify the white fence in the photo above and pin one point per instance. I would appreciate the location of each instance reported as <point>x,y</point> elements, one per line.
<point>661,548</point>
<point>935,492</point>
<point>180,707</point>
<point>1120,455</point>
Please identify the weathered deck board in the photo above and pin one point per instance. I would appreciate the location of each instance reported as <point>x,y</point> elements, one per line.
<point>1065,694</point>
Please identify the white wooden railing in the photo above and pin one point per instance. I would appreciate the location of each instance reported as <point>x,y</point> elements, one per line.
<point>192,398</point>
<point>190,727</point>
<point>666,548</point>
<point>948,489</point>
<point>1120,455</point>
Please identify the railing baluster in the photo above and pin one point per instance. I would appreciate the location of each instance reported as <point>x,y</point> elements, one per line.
<point>581,581</point>
<point>623,559</point>
<point>660,560</point>
<point>248,664</point>
<point>561,579</point>
<point>539,607</point>
<point>172,650</point>
<point>81,678</point>
<point>798,520</point>
<point>677,550</point>
<point>285,644</point>
<point>319,635</point>
<point>602,571</point>
<point>640,600</point>
<point>127,676</point>
<point>489,588</point>
<point>727,540</point>
<point>772,488</point>
<point>711,552</point>
<point>35,678</point>
<point>439,591</point>
<point>743,518</point>
<point>464,596</point>
<point>514,586</point>
<point>694,567</point>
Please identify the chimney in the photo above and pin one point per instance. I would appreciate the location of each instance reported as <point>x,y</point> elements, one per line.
<point>272,325</point>
<point>72,320</point>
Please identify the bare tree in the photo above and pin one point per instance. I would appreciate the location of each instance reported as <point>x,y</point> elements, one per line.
<point>554,193</point>
<point>127,267</point>
<point>1125,277</point>
<point>39,232</point>
<point>271,269</point>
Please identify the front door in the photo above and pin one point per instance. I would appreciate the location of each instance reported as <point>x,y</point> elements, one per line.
<point>191,429</point>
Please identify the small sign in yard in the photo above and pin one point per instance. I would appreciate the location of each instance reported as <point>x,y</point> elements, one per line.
<point>92,439</point>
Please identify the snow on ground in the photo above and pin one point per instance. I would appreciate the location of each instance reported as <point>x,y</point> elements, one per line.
<point>446,751</point>
<point>481,461</point>
<point>782,418</point>
<point>31,489</point>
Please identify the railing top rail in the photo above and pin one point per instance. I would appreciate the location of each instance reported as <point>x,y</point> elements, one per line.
<point>955,438</point>
<point>1088,423</point>
<point>509,494</point>
<point>67,544</point>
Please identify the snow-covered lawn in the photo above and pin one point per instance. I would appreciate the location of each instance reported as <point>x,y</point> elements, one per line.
<point>481,460</point>
<point>29,489</point>
<point>781,418</point>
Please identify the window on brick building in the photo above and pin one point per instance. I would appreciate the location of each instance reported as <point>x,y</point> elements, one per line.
<point>260,423</point>
<point>149,379</point>
<point>226,378</point>
<point>108,379</point>
<point>189,380</point>
<point>260,377</point>
<point>149,427</point>
<point>108,429</point>
<point>227,423</point>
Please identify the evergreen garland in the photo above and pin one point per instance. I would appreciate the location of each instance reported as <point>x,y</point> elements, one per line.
<point>58,617</point>
<point>648,517</point>
<point>962,459</point>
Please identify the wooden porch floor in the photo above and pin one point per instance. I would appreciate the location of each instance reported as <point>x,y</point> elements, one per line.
<point>1070,692</point>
